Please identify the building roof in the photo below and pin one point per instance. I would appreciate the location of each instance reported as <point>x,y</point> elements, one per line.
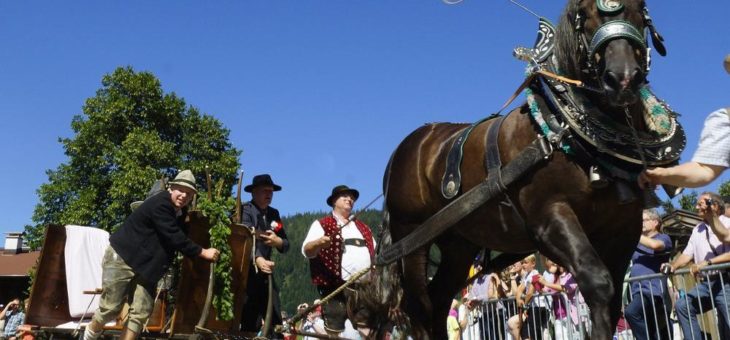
<point>18,264</point>
<point>678,225</point>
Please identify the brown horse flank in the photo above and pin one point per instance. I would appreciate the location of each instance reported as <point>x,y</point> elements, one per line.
<point>603,130</point>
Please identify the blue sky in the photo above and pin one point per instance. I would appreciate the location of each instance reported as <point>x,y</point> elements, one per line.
<point>317,93</point>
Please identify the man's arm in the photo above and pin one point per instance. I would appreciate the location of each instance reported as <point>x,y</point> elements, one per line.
<point>686,175</point>
<point>720,230</point>
<point>5,310</point>
<point>311,249</point>
<point>653,244</point>
<point>283,245</point>
<point>681,261</point>
<point>518,294</point>
<point>165,222</point>
<point>315,240</point>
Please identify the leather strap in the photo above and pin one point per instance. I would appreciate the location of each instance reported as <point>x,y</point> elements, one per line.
<point>451,181</point>
<point>534,153</point>
<point>492,161</point>
<point>357,242</point>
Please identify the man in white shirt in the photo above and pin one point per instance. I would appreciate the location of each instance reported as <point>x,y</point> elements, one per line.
<point>705,248</point>
<point>338,246</point>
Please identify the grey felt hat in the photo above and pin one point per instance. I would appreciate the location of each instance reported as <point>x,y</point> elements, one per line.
<point>185,178</point>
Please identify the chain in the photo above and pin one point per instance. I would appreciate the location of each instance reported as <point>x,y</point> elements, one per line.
<point>639,149</point>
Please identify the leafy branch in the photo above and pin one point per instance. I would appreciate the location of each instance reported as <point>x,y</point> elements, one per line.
<point>217,209</point>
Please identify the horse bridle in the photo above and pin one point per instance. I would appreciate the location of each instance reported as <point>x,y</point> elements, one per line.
<point>615,29</point>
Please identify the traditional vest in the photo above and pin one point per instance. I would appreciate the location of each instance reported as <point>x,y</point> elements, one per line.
<point>326,268</point>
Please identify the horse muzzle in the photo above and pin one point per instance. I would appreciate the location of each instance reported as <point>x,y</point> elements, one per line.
<point>622,74</point>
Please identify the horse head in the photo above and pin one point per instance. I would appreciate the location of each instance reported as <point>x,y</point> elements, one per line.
<point>604,44</point>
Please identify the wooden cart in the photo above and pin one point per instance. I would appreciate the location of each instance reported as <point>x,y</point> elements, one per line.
<point>49,301</point>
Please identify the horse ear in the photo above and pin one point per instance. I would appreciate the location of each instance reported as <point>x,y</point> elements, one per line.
<point>656,39</point>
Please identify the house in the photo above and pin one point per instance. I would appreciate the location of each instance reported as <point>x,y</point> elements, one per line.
<point>16,261</point>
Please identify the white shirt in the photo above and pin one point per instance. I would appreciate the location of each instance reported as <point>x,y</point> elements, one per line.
<point>354,258</point>
<point>714,148</point>
<point>698,246</point>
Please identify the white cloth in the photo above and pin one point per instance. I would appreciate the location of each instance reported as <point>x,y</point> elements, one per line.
<point>354,258</point>
<point>714,148</point>
<point>83,254</point>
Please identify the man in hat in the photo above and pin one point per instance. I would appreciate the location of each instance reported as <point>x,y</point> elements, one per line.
<point>265,219</point>
<point>141,251</point>
<point>710,160</point>
<point>338,246</point>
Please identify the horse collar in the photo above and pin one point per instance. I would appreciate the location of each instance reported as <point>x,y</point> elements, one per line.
<point>662,144</point>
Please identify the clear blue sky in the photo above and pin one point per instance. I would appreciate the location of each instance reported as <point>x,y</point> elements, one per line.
<point>317,93</point>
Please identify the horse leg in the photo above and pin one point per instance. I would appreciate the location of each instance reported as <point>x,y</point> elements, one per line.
<point>562,239</point>
<point>616,256</point>
<point>457,255</point>
<point>418,304</point>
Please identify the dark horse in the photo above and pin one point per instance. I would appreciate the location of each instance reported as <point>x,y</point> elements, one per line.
<point>590,227</point>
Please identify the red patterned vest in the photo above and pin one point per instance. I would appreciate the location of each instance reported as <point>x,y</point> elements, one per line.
<point>326,266</point>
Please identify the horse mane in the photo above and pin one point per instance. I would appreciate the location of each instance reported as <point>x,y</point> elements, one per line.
<point>566,42</point>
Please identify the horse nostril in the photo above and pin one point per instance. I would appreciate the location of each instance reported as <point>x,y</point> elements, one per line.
<point>637,78</point>
<point>612,80</point>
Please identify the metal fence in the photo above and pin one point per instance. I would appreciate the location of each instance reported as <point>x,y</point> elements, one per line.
<point>687,306</point>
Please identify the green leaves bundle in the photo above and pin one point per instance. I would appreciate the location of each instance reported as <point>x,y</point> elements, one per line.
<point>217,211</point>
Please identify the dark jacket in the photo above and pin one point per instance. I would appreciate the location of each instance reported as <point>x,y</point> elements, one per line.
<point>253,217</point>
<point>149,237</point>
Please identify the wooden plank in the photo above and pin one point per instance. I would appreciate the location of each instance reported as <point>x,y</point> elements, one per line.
<point>49,298</point>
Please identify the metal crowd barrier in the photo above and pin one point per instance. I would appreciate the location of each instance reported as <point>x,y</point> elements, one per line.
<point>662,312</point>
<point>488,320</point>
<point>655,311</point>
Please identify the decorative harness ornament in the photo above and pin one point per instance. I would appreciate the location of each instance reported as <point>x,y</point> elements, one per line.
<point>662,144</point>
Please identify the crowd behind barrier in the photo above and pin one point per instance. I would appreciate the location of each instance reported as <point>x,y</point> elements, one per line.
<point>489,319</point>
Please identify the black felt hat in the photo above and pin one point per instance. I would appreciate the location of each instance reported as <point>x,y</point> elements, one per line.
<point>340,190</point>
<point>258,180</point>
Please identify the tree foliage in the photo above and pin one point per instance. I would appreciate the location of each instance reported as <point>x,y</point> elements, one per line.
<point>724,189</point>
<point>129,134</point>
<point>688,201</point>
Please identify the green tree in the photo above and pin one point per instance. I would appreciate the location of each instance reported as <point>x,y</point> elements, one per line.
<point>688,201</point>
<point>129,134</point>
<point>724,189</point>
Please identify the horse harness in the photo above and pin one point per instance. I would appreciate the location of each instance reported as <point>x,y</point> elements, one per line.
<point>498,179</point>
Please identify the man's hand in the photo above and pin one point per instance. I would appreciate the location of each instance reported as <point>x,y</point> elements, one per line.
<point>265,265</point>
<point>210,254</point>
<point>666,268</point>
<point>649,178</point>
<point>271,239</point>
<point>324,242</point>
